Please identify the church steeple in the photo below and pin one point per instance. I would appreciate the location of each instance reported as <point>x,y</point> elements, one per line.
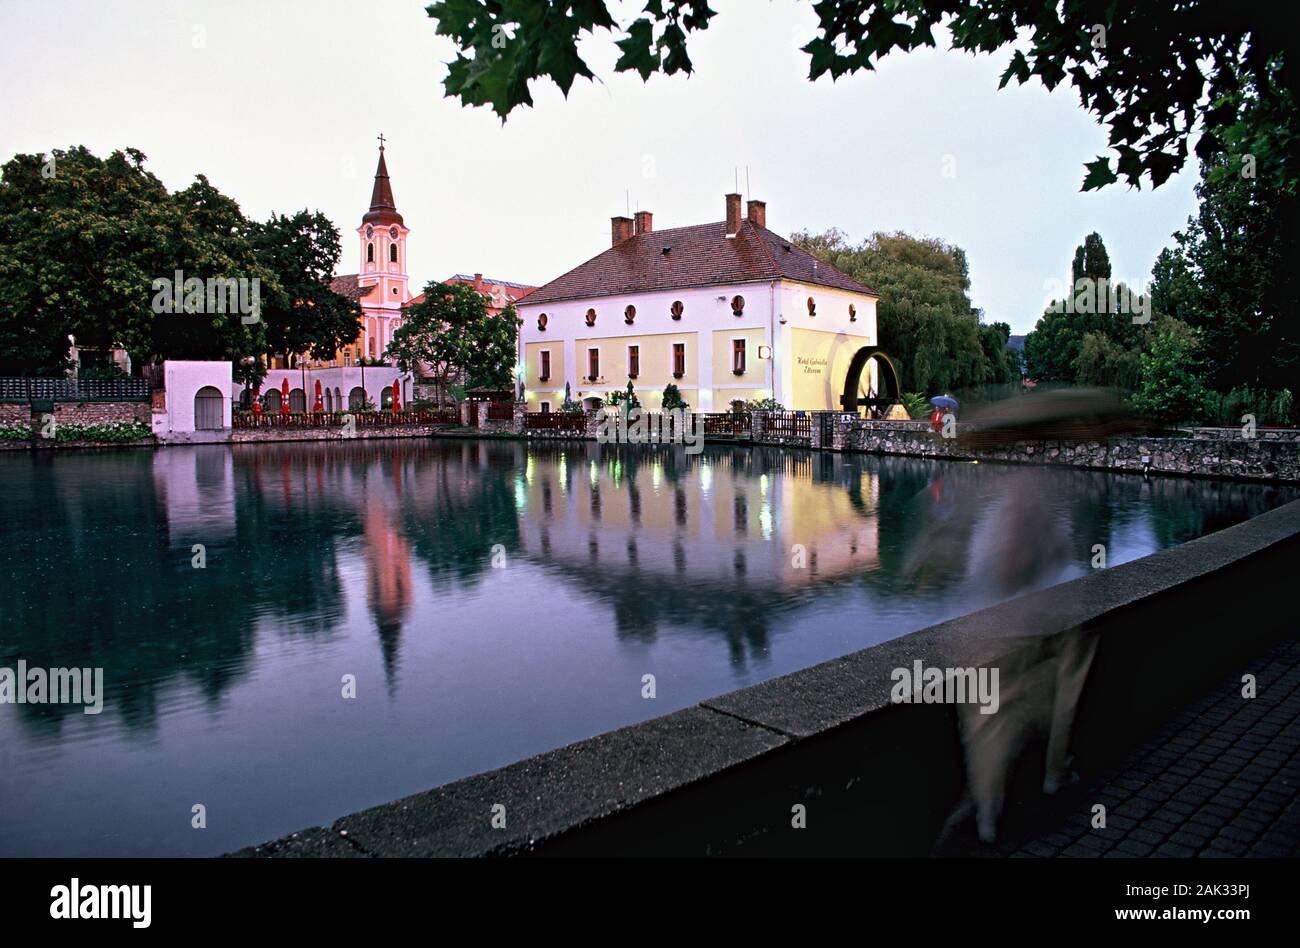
<point>383,209</point>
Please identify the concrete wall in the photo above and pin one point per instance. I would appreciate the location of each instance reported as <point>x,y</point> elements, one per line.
<point>182,380</point>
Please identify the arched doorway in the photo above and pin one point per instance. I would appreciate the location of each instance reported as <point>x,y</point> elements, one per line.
<point>297,400</point>
<point>271,400</point>
<point>329,400</point>
<point>386,398</point>
<point>209,408</point>
<point>852,399</point>
<point>356,399</point>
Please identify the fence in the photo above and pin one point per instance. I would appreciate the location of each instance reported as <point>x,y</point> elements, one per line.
<point>727,424</point>
<point>334,419</point>
<point>788,424</point>
<point>574,422</point>
<point>500,411</point>
<point>18,389</point>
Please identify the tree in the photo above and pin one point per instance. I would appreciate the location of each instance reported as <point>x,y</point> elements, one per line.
<point>451,330</point>
<point>1172,389</point>
<point>1153,73</point>
<point>924,318</point>
<point>82,240</point>
<point>305,315</point>
<point>672,398</point>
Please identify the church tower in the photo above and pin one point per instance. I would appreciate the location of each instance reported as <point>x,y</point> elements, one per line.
<point>382,237</point>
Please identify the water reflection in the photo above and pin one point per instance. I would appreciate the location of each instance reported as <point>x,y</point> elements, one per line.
<point>712,572</point>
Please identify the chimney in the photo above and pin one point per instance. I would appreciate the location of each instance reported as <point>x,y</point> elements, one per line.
<point>644,222</point>
<point>758,213</point>
<point>620,230</point>
<point>733,214</point>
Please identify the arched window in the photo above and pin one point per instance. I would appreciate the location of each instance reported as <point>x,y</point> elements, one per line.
<point>853,313</point>
<point>271,400</point>
<point>629,314</point>
<point>386,398</point>
<point>392,253</point>
<point>738,305</point>
<point>329,400</point>
<point>676,309</point>
<point>812,306</point>
<point>541,322</point>
<point>297,400</point>
<point>591,317</point>
<point>356,399</point>
<point>370,253</point>
<point>209,408</point>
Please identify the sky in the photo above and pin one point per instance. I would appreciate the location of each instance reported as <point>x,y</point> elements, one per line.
<point>279,103</point>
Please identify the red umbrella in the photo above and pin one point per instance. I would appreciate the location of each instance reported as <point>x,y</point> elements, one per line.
<point>284,396</point>
<point>257,401</point>
<point>397,401</point>
<point>319,406</point>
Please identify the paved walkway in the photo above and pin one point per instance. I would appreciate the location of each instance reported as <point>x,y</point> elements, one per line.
<point>1222,778</point>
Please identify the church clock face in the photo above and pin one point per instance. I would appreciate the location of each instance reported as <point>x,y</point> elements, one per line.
<point>370,232</point>
<point>392,232</point>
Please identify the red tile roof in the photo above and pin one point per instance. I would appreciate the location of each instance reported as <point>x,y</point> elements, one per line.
<point>347,285</point>
<point>702,255</point>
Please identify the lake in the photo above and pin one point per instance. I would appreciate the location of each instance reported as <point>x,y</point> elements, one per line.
<point>484,601</point>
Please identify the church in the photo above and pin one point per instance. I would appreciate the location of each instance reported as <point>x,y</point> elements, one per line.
<point>359,374</point>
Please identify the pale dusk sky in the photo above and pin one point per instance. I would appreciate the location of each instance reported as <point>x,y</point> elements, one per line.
<point>279,103</point>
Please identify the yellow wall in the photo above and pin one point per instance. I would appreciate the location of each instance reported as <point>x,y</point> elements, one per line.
<point>755,368</point>
<point>656,361</point>
<point>819,365</point>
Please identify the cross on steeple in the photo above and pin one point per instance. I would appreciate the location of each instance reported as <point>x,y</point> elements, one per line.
<point>381,141</point>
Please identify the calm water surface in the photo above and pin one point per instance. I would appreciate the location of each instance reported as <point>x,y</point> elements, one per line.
<point>492,601</point>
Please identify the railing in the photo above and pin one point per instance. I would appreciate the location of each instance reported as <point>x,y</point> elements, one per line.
<point>571,421</point>
<point>730,423</point>
<point>334,419</point>
<point>19,389</point>
<point>788,424</point>
<point>501,411</point>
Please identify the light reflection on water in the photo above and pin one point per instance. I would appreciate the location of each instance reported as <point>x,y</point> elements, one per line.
<point>375,560</point>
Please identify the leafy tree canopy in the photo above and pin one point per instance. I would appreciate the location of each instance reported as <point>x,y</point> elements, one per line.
<point>1152,73</point>
<point>452,329</point>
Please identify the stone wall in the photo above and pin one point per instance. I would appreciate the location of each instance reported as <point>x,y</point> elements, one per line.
<point>1217,453</point>
<point>99,413</point>
<point>335,433</point>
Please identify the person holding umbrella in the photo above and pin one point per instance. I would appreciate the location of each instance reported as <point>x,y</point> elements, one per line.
<point>943,405</point>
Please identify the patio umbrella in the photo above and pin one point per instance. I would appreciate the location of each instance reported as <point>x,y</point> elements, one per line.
<point>944,401</point>
<point>257,400</point>
<point>319,405</point>
<point>284,396</point>
<point>397,391</point>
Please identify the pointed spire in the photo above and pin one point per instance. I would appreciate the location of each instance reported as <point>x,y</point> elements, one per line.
<point>383,209</point>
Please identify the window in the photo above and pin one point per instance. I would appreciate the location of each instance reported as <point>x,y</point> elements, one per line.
<point>738,356</point>
<point>812,306</point>
<point>676,309</point>
<point>392,253</point>
<point>633,361</point>
<point>853,313</point>
<point>591,317</point>
<point>541,322</point>
<point>679,359</point>
<point>544,369</point>
<point>370,253</point>
<point>546,407</point>
<point>738,305</point>
<point>593,364</point>
<point>629,314</point>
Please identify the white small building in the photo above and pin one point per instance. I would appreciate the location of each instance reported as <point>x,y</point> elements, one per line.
<point>195,406</point>
<point>343,388</point>
<point>727,311</point>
